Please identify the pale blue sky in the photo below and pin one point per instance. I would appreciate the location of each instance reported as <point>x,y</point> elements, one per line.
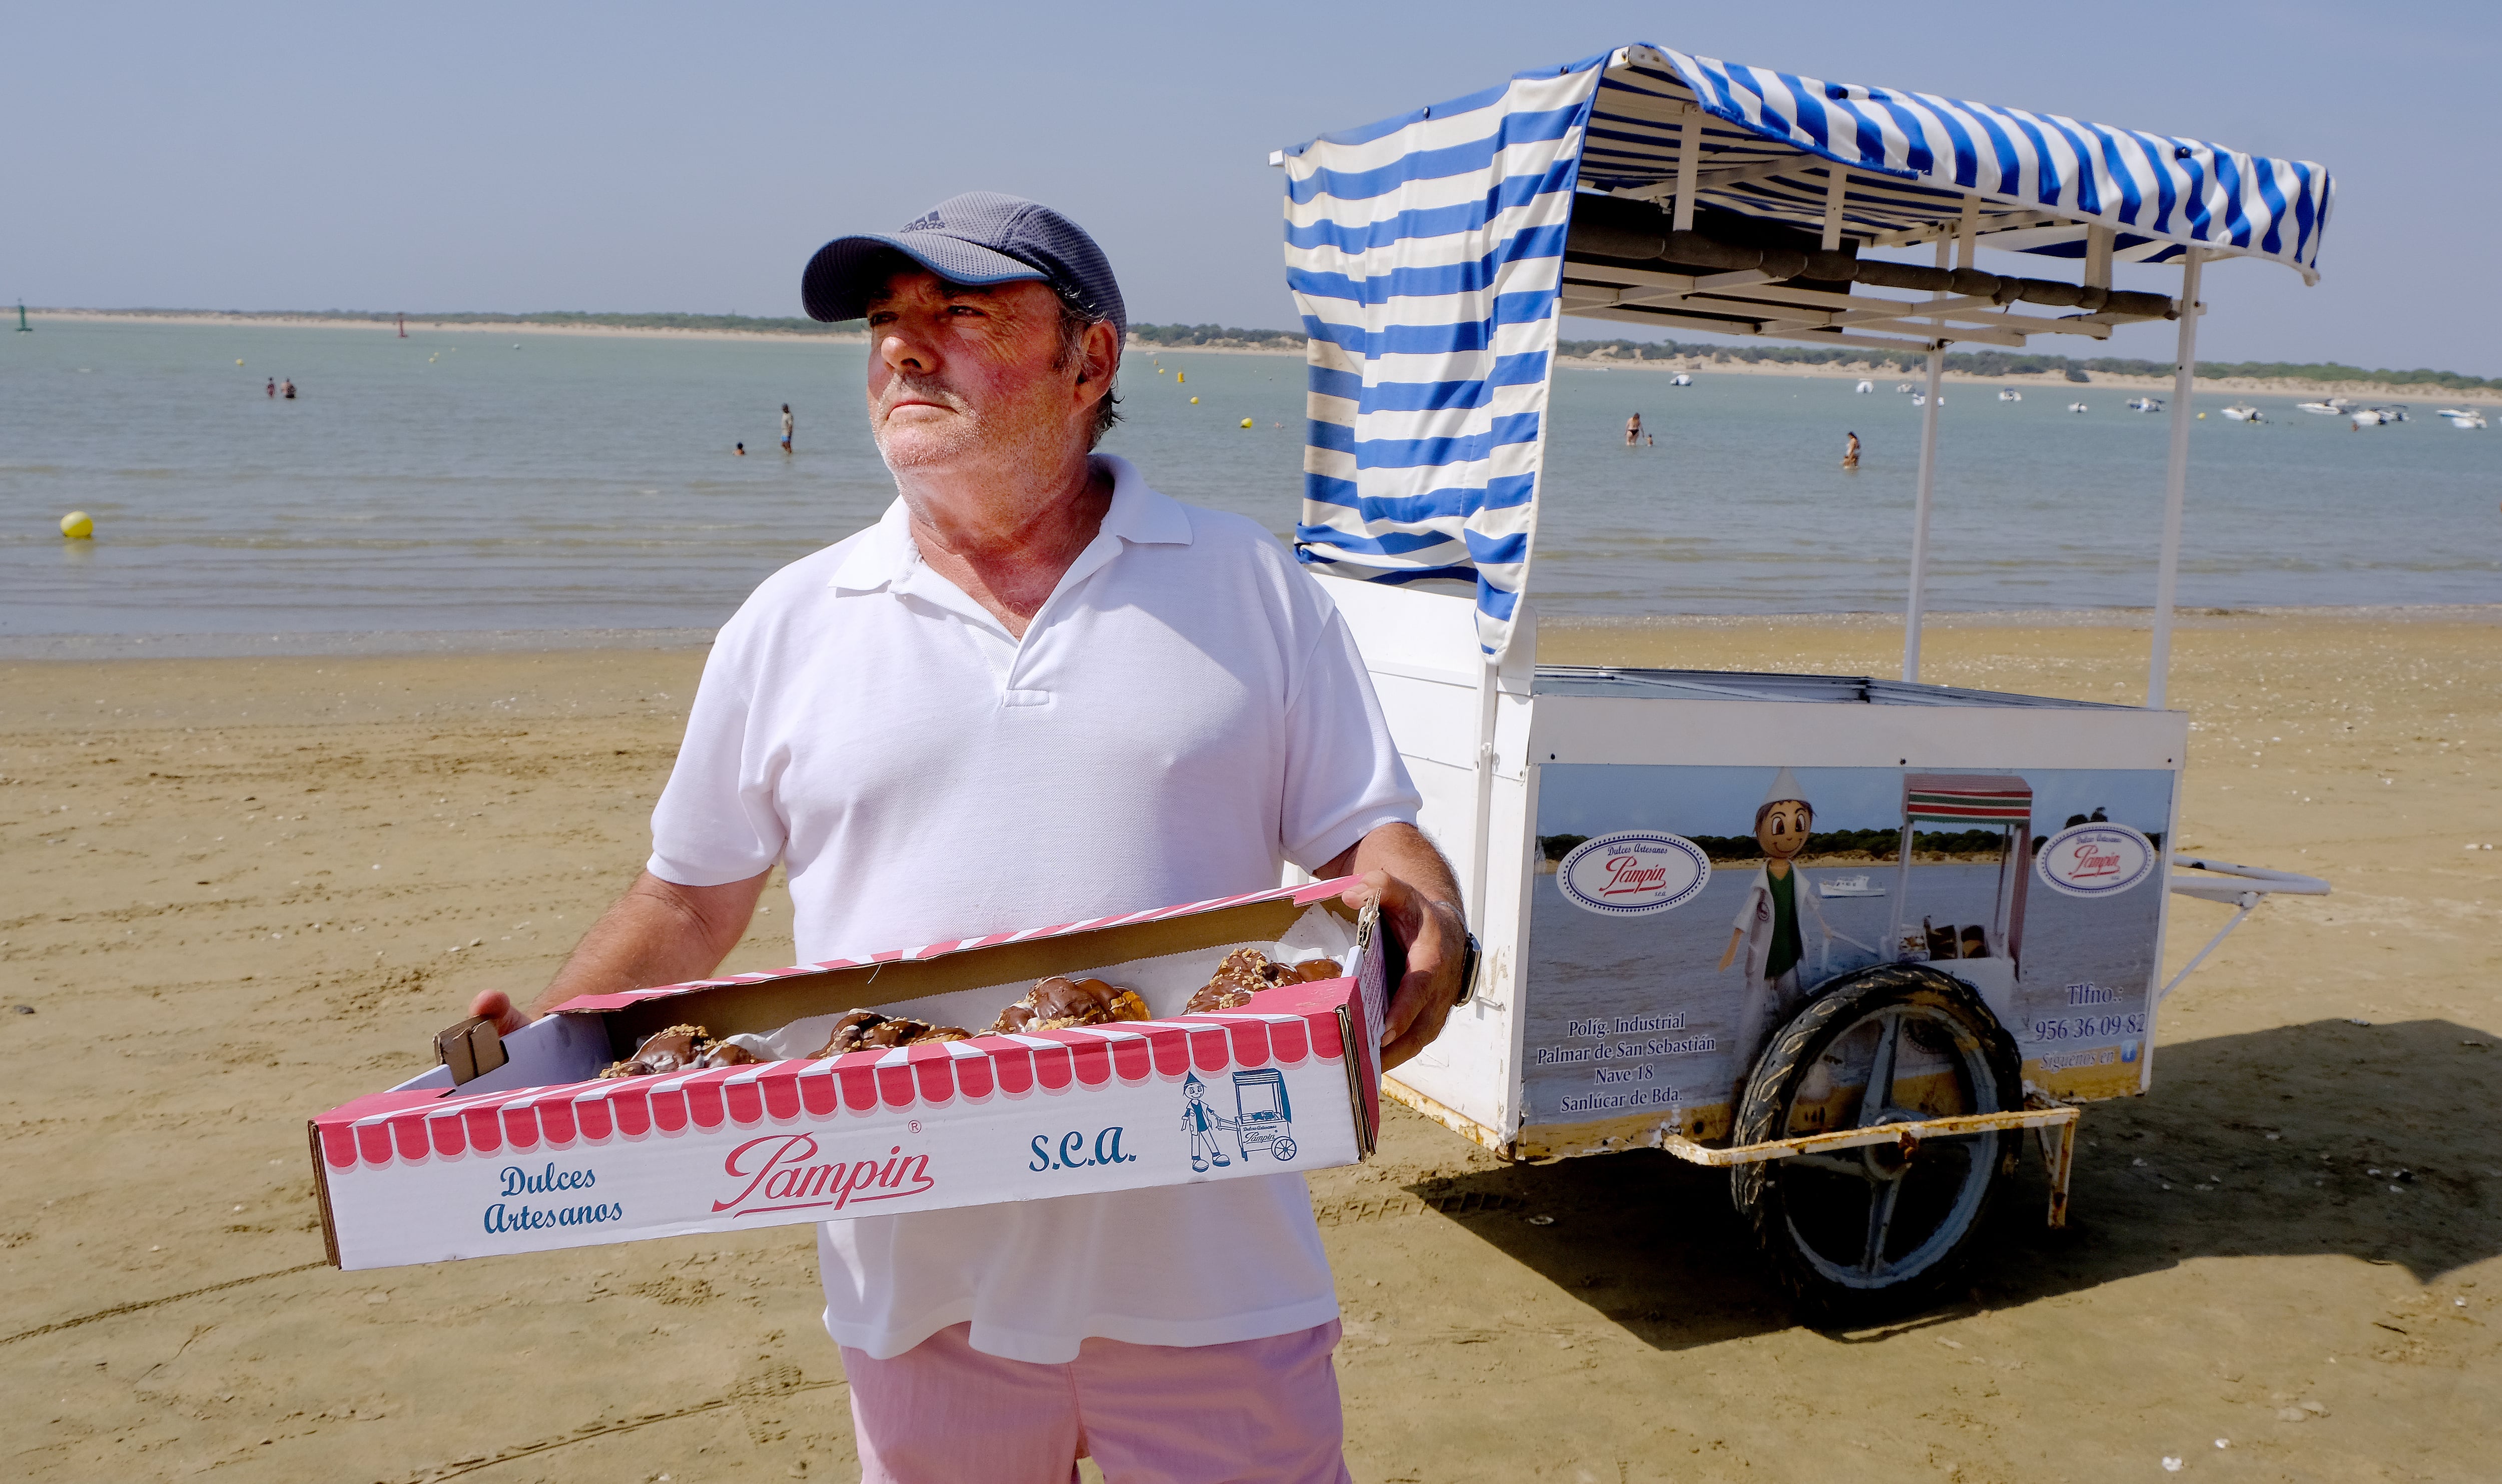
<point>628,156</point>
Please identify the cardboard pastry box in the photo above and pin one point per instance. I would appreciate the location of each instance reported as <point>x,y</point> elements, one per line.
<point>539,1153</point>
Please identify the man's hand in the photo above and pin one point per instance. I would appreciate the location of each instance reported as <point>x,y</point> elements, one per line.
<point>659,932</point>
<point>1419,900</point>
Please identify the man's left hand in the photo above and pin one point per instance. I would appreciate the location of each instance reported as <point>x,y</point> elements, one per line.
<point>1436,944</point>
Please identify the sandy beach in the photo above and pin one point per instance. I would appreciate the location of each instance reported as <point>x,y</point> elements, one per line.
<point>242,891</point>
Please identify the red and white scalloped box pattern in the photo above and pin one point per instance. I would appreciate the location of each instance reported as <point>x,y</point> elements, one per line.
<point>1290,1082</point>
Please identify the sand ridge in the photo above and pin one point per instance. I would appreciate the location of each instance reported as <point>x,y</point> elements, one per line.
<point>240,891</point>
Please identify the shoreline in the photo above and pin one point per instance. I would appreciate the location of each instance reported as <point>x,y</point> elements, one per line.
<point>2043,383</point>
<point>2025,381</point>
<point>517,327</point>
<point>1573,630</point>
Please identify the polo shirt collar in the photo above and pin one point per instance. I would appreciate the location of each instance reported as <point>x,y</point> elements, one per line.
<point>1139,514</point>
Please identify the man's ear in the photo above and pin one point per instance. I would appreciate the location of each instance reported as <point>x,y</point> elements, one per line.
<point>1103,357</point>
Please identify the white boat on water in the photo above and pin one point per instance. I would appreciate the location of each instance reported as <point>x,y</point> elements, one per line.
<point>2463,419</point>
<point>1902,386</point>
<point>1864,387</point>
<point>2146,404</point>
<point>2334,407</point>
<point>1848,886</point>
<point>1922,399</point>
<point>2079,407</point>
<point>1680,379</point>
<point>2244,414</point>
<point>2368,416</point>
<point>2009,395</point>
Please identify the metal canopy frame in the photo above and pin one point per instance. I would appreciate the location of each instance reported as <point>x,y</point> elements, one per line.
<point>1737,170</point>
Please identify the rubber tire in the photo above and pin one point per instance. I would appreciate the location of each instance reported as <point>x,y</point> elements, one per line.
<point>1792,1053</point>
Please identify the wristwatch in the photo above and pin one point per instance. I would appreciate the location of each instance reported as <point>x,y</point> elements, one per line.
<point>1468,973</point>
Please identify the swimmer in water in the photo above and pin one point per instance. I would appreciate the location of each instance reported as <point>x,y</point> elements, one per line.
<point>1633,430</point>
<point>1850,453</point>
<point>272,387</point>
<point>287,389</point>
<point>740,451</point>
<point>787,425</point>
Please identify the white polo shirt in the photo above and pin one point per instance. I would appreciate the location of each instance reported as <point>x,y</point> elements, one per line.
<point>1185,713</point>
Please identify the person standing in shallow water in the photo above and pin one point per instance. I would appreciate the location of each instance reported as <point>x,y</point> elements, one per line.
<point>1850,452</point>
<point>787,425</point>
<point>1633,430</point>
<point>273,388</point>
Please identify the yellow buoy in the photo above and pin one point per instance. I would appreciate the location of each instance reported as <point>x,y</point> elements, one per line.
<point>1194,401</point>
<point>238,360</point>
<point>1246,423</point>
<point>78,526</point>
<point>1180,378</point>
<point>2201,416</point>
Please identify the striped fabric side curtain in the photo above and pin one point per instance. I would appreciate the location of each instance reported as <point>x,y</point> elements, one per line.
<point>1425,255</point>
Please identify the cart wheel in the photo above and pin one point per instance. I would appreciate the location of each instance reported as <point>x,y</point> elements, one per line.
<point>1864,1234</point>
<point>1284,1149</point>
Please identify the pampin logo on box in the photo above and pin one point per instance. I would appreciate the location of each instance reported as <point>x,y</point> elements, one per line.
<point>2095,860</point>
<point>1633,873</point>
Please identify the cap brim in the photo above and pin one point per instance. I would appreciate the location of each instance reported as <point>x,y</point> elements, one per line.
<point>837,282</point>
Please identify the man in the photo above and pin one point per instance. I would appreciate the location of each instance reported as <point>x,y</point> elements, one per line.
<point>1038,691</point>
<point>787,425</point>
<point>1767,925</point>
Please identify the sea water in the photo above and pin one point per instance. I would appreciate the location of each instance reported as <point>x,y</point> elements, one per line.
<point>462,479</point>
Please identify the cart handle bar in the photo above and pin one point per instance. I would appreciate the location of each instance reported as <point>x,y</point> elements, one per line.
<point>2291,883</point>
<point>1904,1134</point>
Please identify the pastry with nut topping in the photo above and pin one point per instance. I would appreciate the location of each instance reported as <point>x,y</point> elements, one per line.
<point>1059,1003</point>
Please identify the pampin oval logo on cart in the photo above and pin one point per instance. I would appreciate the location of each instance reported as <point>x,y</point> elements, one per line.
<point>2095,860</point>
<point>1633,874</point>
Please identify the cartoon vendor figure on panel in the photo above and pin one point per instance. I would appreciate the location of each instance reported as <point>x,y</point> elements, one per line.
<point>1201,1122</point>
<point>1767,925</point>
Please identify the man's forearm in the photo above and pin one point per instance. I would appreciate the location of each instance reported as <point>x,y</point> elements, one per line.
<point>1404,852</point>
<point>659,932</point>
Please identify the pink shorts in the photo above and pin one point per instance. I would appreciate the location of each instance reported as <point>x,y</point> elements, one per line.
<point>1257,1410</point>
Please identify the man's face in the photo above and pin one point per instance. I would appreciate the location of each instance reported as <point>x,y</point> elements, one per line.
<point>1784,832</point>
<point>959,373</point>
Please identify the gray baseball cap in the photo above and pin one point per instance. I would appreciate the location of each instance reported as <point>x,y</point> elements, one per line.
<point>978,238</point>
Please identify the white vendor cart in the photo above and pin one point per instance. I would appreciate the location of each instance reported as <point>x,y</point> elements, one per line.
<point>1846,936</point>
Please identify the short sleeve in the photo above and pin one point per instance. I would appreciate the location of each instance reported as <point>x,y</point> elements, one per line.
<point>1343,774</point>
<point>717,822</point>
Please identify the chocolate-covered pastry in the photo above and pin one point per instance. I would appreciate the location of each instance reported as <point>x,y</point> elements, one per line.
<point>1060,1002</point>
<point>726,1054</point>
<point>674,1049</point>
<point>1217,994</point>
<point>869,1031</point>
<point>1245,972</point>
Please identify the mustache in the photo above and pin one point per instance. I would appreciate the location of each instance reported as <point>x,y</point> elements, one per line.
<point>921,388</point>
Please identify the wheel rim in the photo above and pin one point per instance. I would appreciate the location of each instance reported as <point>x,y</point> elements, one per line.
<point>1880,1215</point>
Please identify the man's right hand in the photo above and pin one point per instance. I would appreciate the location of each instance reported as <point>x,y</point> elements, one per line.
<point>497,1006</point>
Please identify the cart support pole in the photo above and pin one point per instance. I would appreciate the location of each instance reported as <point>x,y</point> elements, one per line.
<point>1481,825</point>
<point>1920,516</point>
<point>2175,490</point>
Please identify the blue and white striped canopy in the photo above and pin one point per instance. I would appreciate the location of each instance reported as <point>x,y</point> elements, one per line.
<point>1426,255</point>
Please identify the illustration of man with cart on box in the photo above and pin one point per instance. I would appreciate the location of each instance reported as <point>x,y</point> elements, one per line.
<point>1202,1124</point>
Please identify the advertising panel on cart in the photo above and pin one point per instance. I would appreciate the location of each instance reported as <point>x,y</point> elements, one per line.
<point>1845,936</point>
